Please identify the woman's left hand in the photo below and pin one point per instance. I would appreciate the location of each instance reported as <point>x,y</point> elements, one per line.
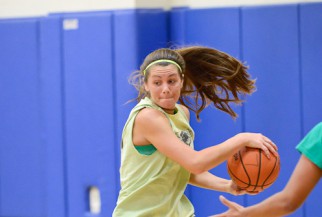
<point>235,190</point>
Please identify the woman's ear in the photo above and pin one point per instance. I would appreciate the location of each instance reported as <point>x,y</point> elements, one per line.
<point>146,87</point>
<point>182,79</point>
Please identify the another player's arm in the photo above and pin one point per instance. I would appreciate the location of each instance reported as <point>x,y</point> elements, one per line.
<point>154,127</point>
<point>305,176</point>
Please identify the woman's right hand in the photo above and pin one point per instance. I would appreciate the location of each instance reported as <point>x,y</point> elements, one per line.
<point>258,140</point>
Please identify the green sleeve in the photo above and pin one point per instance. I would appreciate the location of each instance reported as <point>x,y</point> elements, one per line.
<point>311,145</point>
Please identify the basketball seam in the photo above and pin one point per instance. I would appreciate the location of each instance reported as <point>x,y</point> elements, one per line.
<point>232,174</point>
<point>259,168</point>
<point>276,159</point>
<point>242,163</point>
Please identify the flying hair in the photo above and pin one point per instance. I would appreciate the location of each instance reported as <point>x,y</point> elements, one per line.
<point>210,77</point>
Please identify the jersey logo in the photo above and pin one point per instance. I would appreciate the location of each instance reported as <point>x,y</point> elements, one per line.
<point>185,137</point>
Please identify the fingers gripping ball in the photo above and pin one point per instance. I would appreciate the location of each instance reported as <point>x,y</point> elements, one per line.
<point>251,170</point>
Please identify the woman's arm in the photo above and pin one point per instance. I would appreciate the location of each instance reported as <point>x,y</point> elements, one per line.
<point>304,178</point>
<point>152,127</point>
<point>209,181</point>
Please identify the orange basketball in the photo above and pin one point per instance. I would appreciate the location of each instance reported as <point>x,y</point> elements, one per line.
<point>251,170</point>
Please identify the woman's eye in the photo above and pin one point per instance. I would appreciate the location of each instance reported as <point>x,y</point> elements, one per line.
<point>157,83</point>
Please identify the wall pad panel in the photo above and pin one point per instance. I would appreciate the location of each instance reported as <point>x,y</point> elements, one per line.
<point>88,99</point>
<point>52,115</point>
<point>271,48</point>
<point>22,153</point>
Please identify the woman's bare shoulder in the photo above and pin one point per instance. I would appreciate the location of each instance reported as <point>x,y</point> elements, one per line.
<point>186,111</point>
<point>148,116</point>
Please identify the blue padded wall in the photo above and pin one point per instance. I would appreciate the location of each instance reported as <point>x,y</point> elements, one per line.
<point>52,115</point>
<point>215,126</point>
<point>222,33</point>
<point>311,80</point>
<point>152,25</point>
<point>125,62</point>
<point>64,92</point>
<point>177,18</point>
<point>271,48</point>
<point>22,153</point>
<point>88,104</point>
<point>311,54</point>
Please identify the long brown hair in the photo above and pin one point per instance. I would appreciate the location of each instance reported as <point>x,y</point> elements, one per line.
<point>210,76</point>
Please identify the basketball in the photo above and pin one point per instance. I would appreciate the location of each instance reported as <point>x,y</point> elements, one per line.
<point>251,170</point>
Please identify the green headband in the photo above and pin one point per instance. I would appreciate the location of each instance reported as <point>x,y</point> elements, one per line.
<point>162,60</point>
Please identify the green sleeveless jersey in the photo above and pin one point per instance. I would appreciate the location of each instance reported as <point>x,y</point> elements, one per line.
<point>311,145</point>
<point>153,185</point>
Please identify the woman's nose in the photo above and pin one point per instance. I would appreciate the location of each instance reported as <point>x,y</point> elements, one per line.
<point>165,89</point>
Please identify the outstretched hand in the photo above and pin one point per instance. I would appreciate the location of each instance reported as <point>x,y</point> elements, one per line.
<point>235,210</point>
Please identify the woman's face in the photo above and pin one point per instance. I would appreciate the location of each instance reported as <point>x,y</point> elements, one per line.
<point>164,85</point>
